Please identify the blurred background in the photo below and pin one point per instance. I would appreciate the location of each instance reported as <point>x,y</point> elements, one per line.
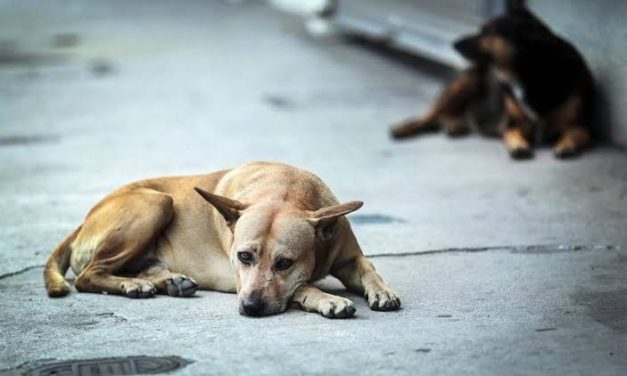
<point>428,28</point>
<point>95,94</point>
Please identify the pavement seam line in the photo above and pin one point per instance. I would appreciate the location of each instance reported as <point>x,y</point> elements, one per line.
<point>537,248</point>
<point>21,271</point>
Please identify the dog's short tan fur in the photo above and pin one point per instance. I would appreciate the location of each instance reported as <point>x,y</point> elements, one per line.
<point>271,230</point>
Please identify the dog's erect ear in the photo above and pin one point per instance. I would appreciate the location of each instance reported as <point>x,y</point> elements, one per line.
<point>518,9</point>
<point>514,6</point>
<point>324,219</point>
<point>230,209</point>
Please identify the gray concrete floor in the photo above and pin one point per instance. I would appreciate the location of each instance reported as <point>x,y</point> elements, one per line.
<point>503,267</point>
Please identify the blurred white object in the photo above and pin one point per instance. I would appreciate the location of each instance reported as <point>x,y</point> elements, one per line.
<point>315,13</point>
<point>305,8</point>
<point>318,26</point>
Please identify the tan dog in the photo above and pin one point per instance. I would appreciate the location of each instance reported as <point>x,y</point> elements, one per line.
<point>276,229</point>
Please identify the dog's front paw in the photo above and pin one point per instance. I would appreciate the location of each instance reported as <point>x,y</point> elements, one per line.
<point>565,151</point>
<point>383,300</point>
<point>336,307</point>
<point>181,286</point>
<point>137,288</point>
<point>521,153</point>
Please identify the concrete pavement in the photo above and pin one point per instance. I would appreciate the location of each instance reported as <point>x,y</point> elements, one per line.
<point>528,270</point>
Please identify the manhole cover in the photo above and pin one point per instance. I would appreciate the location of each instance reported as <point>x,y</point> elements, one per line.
<point>132,365</point>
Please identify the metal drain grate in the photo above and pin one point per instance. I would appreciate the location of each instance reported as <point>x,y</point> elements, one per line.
<point>132,365</point>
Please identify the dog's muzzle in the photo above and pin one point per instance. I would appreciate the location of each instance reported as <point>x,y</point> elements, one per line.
<point>468,47</point>
<point>252,307</point>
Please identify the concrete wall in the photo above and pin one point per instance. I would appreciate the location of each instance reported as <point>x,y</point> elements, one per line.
<point>599,29</point>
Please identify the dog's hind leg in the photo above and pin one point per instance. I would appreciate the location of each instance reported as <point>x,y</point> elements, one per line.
<point>169,283</point>
<point>450,109</point>
<point>123,226</point>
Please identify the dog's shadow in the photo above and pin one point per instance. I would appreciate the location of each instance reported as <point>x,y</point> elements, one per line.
<point>333,286</point>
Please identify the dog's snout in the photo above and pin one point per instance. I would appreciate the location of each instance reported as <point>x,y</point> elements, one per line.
<point>469,48</point>
<point>252,307</point>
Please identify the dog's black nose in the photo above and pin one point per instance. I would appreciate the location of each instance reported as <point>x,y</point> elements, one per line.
<point>252,307</point>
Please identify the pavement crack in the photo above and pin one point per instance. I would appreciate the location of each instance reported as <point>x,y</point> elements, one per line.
<point>21,271</point>
<point>117,319</point>
<point>528,249</point>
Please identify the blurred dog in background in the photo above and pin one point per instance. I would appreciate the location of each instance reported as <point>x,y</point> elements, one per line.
<point>546,88</point>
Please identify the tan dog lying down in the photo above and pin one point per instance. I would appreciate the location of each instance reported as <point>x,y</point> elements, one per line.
<point>275,230</point>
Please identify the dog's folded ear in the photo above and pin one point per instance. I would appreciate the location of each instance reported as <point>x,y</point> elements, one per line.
<point>230,209</point>
<point>324,219</point>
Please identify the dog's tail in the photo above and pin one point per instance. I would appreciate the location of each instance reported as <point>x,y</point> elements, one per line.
<point>58,263</point>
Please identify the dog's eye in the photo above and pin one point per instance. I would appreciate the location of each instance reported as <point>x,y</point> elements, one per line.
<point>245,257</point>
<point>284,263</point>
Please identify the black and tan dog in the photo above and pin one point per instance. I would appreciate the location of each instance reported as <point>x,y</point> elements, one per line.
<point>268,232</point>
<point>545,85</point>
